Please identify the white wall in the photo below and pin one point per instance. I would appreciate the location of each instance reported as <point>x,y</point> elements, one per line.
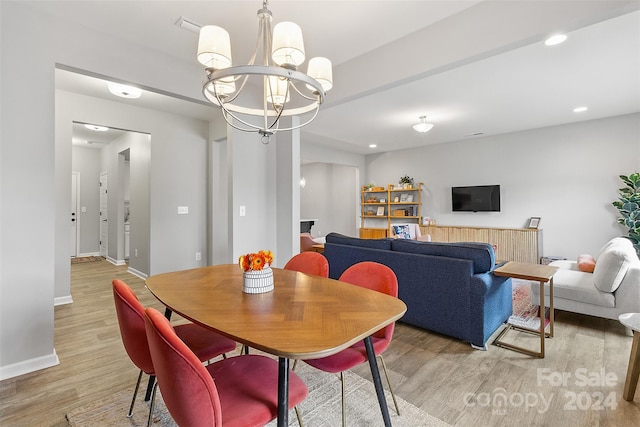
<point>567,175</point>
<point>35,169</point>
<point>331,196</point>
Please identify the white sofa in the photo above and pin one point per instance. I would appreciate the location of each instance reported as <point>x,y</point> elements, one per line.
<point>612,289</point>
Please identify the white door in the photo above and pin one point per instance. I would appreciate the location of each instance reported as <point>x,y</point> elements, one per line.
<point>74,214</point>
<point>104,225</point>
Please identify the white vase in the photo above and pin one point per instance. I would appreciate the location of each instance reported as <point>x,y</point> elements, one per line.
<point>258,281</point>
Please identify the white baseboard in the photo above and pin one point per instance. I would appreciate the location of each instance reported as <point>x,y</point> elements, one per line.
<point>63,300</point>
<point>137,273</point>
<point>89,254</point>
<point>116,261</point>
<point>30,365</point>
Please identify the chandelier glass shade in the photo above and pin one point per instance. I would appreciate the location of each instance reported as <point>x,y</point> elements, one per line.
<point>423,126</point>
<point>254,97</point>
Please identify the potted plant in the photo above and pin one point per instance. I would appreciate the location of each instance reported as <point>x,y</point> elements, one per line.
<point>628,204</point>
<point>406,181</point>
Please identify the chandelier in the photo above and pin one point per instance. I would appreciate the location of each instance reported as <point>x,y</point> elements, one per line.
<point>285,90</point>
<point>423,126</point>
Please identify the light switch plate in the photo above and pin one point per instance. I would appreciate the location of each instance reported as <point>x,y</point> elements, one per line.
<point>183,210</point>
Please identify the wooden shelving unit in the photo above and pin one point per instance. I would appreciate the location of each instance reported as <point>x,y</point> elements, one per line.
<point>381,207</point>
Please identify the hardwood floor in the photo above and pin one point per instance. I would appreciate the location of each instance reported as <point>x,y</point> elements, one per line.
<point>579,382</point>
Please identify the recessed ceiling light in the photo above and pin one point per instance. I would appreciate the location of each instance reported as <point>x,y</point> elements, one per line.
<point>580,109</point>
<point>124,91</point>
<point>97,128</point>
<point>555,39</point>
<point>372,145</point>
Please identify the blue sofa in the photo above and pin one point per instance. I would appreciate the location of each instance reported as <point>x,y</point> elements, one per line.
<point>448,288</point>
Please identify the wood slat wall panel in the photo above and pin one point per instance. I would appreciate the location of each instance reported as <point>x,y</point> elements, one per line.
<point>511,244</point>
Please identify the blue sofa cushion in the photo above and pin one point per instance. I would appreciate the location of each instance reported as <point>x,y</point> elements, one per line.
<point>340,239</point>
<point>481,254</point>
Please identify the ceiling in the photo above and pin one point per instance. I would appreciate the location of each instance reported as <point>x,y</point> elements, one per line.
<point>397,60</point>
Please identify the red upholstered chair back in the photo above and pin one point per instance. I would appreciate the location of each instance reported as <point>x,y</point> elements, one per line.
<point>377,277</point>
<point>309,263</point>
<point>187,388</point>
<point>306,242</point>
<point>131,321</point>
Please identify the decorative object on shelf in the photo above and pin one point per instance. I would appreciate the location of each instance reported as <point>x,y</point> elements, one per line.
<point>285,90</point>
<point>258,276</point>
<point>534,222</point>
<point>628,204</point>
<point>423,126</point>
<point>406,181</point>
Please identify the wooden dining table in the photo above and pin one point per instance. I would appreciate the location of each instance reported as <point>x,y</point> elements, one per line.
<point>304,317</point>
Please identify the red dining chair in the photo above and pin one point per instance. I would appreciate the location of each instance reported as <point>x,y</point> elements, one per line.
<point>377,277</point>
<point>240,391</point>
<point>309,263</point>
<point>206,344</point>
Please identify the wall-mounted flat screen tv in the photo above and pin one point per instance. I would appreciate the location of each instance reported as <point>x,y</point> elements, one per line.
<point>479,198</point>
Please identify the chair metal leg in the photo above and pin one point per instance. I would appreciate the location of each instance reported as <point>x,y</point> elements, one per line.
<point>393,396</point>
<point>300,423</point>
<point>152,380</point>
<point>295,362</point>
<point>344,409</point>
<point>135,393</point>
<point>152,405</point>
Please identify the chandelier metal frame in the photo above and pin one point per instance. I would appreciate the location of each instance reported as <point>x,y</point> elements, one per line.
<point>308,91</point>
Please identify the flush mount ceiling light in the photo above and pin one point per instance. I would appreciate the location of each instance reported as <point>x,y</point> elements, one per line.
<point>285,90</point>
<point>580,109</point>
<point>423,126</point>
<point>555,39</point>
<point>97,128</point>
<point>124,91</point>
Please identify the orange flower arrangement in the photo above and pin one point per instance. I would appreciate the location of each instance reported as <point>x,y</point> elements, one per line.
<point>256,261</point>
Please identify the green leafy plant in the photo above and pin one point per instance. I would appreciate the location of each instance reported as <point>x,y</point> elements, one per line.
<point>406,180</point>
<point>628,204</point>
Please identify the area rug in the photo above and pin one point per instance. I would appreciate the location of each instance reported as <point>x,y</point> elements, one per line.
<point>78,260</point>
<point>525,315</point>
<point>321,408</point>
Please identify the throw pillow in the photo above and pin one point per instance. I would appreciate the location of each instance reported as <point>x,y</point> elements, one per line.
<point>402,231</point>
<point>586,263</point>
<point>611,268</point>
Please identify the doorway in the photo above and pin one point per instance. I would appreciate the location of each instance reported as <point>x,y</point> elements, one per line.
<point>75,179</point>
<point>104,224</point>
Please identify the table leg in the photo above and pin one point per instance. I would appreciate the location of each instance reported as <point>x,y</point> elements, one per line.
<point>375,373</point>
<point>551,309</point>
<point>541,311</point>
<point>633,371</point>
<point>283,392</point>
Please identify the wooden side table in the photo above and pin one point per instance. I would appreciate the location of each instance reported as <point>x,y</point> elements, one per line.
<point>632,320</point>
<point>318,248</point>
<point>542,274</point>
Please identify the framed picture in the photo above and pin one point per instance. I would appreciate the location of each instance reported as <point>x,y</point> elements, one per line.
<point>534,221</point>
<point>396,199</point>
<point>410,198</point>
<point>380,211</point>
<point>403,198</point>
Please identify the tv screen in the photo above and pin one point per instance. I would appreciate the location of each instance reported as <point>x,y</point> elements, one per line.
<point>479,198</point>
